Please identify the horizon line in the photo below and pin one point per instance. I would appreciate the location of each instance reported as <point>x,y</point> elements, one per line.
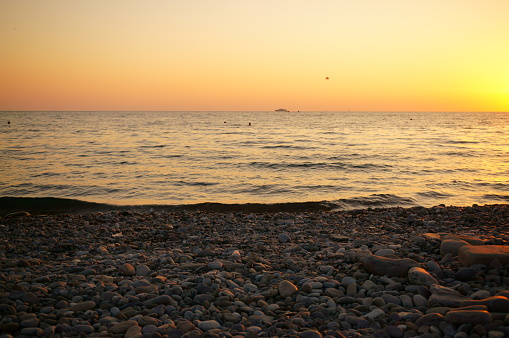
<point>264,111</point>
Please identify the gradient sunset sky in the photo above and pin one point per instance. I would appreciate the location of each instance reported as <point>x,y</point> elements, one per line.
<point>433,55</point>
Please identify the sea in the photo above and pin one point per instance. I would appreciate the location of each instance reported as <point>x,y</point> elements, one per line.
<point>348,160</point>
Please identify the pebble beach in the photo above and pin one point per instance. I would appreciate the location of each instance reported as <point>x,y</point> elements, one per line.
<point>392,272</point>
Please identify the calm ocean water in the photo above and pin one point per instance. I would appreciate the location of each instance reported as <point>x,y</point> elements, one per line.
<point>353,159</point>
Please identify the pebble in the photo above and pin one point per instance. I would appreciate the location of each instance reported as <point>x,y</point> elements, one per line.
<point>286,288</point>
<point>240,274</point>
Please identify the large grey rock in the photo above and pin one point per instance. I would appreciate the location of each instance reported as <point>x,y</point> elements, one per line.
<point>388,266</point>
<point>467,238</point>
<point>473,317</point>
<point>419,276</point>
<point>485,254</point>
<point>451,246</point>
<point>494,304</point>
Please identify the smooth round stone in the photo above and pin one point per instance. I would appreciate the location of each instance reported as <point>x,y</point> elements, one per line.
<point>133,332</point>
<point>215,265</point>
<point>250,287</point>
<point>385,253</point>
<point>466,274</point>
<point>126,269</point>
<point>286,288</point>
<point>351,289</point>
<point>406,301</point>
<point>30,322</point>
<point>316,285</point>
<point>102,250</point>
<point>142,270</point>
<point>306,287</point>
<point>208,325</point>
<point>272,307</point>
<point>419,301</point>
<point>122,327</point>
<point>283,238</point>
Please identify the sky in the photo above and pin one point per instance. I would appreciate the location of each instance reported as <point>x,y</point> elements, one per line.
<point>229,55</point>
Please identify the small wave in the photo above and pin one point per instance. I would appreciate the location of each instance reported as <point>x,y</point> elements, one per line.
<point>155,146</point>
<point>52,206</point>
<point>496,197</point>
<point>284,146</point>
<point>375,200</point>
<point>461,142</point>
<point>184,183</point>
<point>434,194</point>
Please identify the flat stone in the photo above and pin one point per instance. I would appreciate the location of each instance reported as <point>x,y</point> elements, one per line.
<point>467,238</point>
<point>494,304</point>
<point>485,254</point>
<point>429,319</point>
<point>286,288</point>
<point>441,298</point>
<point>419,276</point>
<point>83,306</point>
<point>388,266</point>
<point>163,299</point>
<point>339,238</point>
<point>473,317</point>
<point>208,325</point>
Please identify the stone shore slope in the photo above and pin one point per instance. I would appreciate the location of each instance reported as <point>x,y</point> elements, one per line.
<point>396,272</point>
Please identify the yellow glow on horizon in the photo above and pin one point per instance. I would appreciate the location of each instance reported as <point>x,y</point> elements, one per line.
<point>241,55</point>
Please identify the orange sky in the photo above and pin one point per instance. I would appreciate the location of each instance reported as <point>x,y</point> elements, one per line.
<point>446,55</point>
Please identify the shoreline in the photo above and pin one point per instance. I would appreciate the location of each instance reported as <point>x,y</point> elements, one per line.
<point>239,274</point>
<point>56,206</point>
